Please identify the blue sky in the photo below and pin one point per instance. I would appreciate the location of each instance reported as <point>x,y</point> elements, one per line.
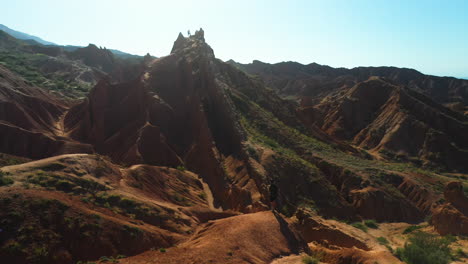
<point>430,36</point>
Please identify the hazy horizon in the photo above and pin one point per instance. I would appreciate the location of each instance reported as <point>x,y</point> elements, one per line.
<point>429,36</point>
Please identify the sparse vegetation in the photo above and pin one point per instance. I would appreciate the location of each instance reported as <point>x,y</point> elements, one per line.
<point>425,248</point>
<point>70,185</point>
<point>54,166</point>
<point>129,207</point>
<point>371,224</point>
<point>28,65</point>
<point>105,259</point>
<point>382,241</point>
<point>310,260</point>
<point>32,239</point>
<point>412,228</point>
<point>459,253</point>
<point>7,160</point>
<point>179,199</point>
<point>132,231</point>
<point>4,179</point>
<point>360,225</point>
<point>266,129</point>
<point>181,168</point>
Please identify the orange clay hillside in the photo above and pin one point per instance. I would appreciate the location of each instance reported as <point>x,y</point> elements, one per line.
<point>177,165</point>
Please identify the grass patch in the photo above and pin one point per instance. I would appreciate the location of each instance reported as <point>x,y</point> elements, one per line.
<point>310,260</point>
<point>459,253</point>
<point>69,185</point>
<point>371,224</point>
<point>4,180</point>
<point>55,166</point>
<point>425,248</point>
<point>28,66</point>
<point>132,231</point>
<point>266,129</point>
<point>412,228</point>
<point>382,241</point>
<point>360,225</point>
<point>130,208</point>
<point>7,160</point>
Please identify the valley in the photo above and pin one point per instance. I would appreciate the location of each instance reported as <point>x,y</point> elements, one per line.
<point>109,159</point>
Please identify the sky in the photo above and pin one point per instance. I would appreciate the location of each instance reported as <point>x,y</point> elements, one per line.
<point>430,36</point>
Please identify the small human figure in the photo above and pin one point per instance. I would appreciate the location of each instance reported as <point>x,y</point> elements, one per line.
<point>273,196</point>
<point>188,33</point>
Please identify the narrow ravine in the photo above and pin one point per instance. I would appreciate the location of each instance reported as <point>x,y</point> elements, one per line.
<point>209,197</point>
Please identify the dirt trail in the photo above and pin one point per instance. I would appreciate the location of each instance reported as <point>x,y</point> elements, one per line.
<point>209,197</point>
<point>60,126</point>
<point>42,162</point>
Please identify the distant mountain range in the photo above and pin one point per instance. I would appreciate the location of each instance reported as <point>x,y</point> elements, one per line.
<point>24,36</point>
<point>27,37</point>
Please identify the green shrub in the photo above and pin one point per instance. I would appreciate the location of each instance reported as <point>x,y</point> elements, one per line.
<point>114,199</point>
<point>424,248</point>
<point>360,225</point>
<point>382,240</point>
<point>132,231</point>
<point>104,259</point>
<point>371,224</point>
<point>389,248</point>
<point>309,260</point>
<point>64,185</point>
<point>410,229</point>
<point>459,253</point>
<point>5,180</point>
<point>163,250</point>
<point>181,168</point>
<point>53,167</point>
<point>128,204</point>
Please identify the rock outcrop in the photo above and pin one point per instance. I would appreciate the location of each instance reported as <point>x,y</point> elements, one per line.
<point>176,113</point>
<point>30,120</point>
<point>452,217</point>
<point>250,238</point>
<point>390,208</point>
<point>396,121</point>
<point>118,120</point>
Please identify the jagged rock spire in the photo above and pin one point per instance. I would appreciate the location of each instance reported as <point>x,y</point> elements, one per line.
<point>179,43</point>
<point>194,44</point>
<point>200,35</point>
